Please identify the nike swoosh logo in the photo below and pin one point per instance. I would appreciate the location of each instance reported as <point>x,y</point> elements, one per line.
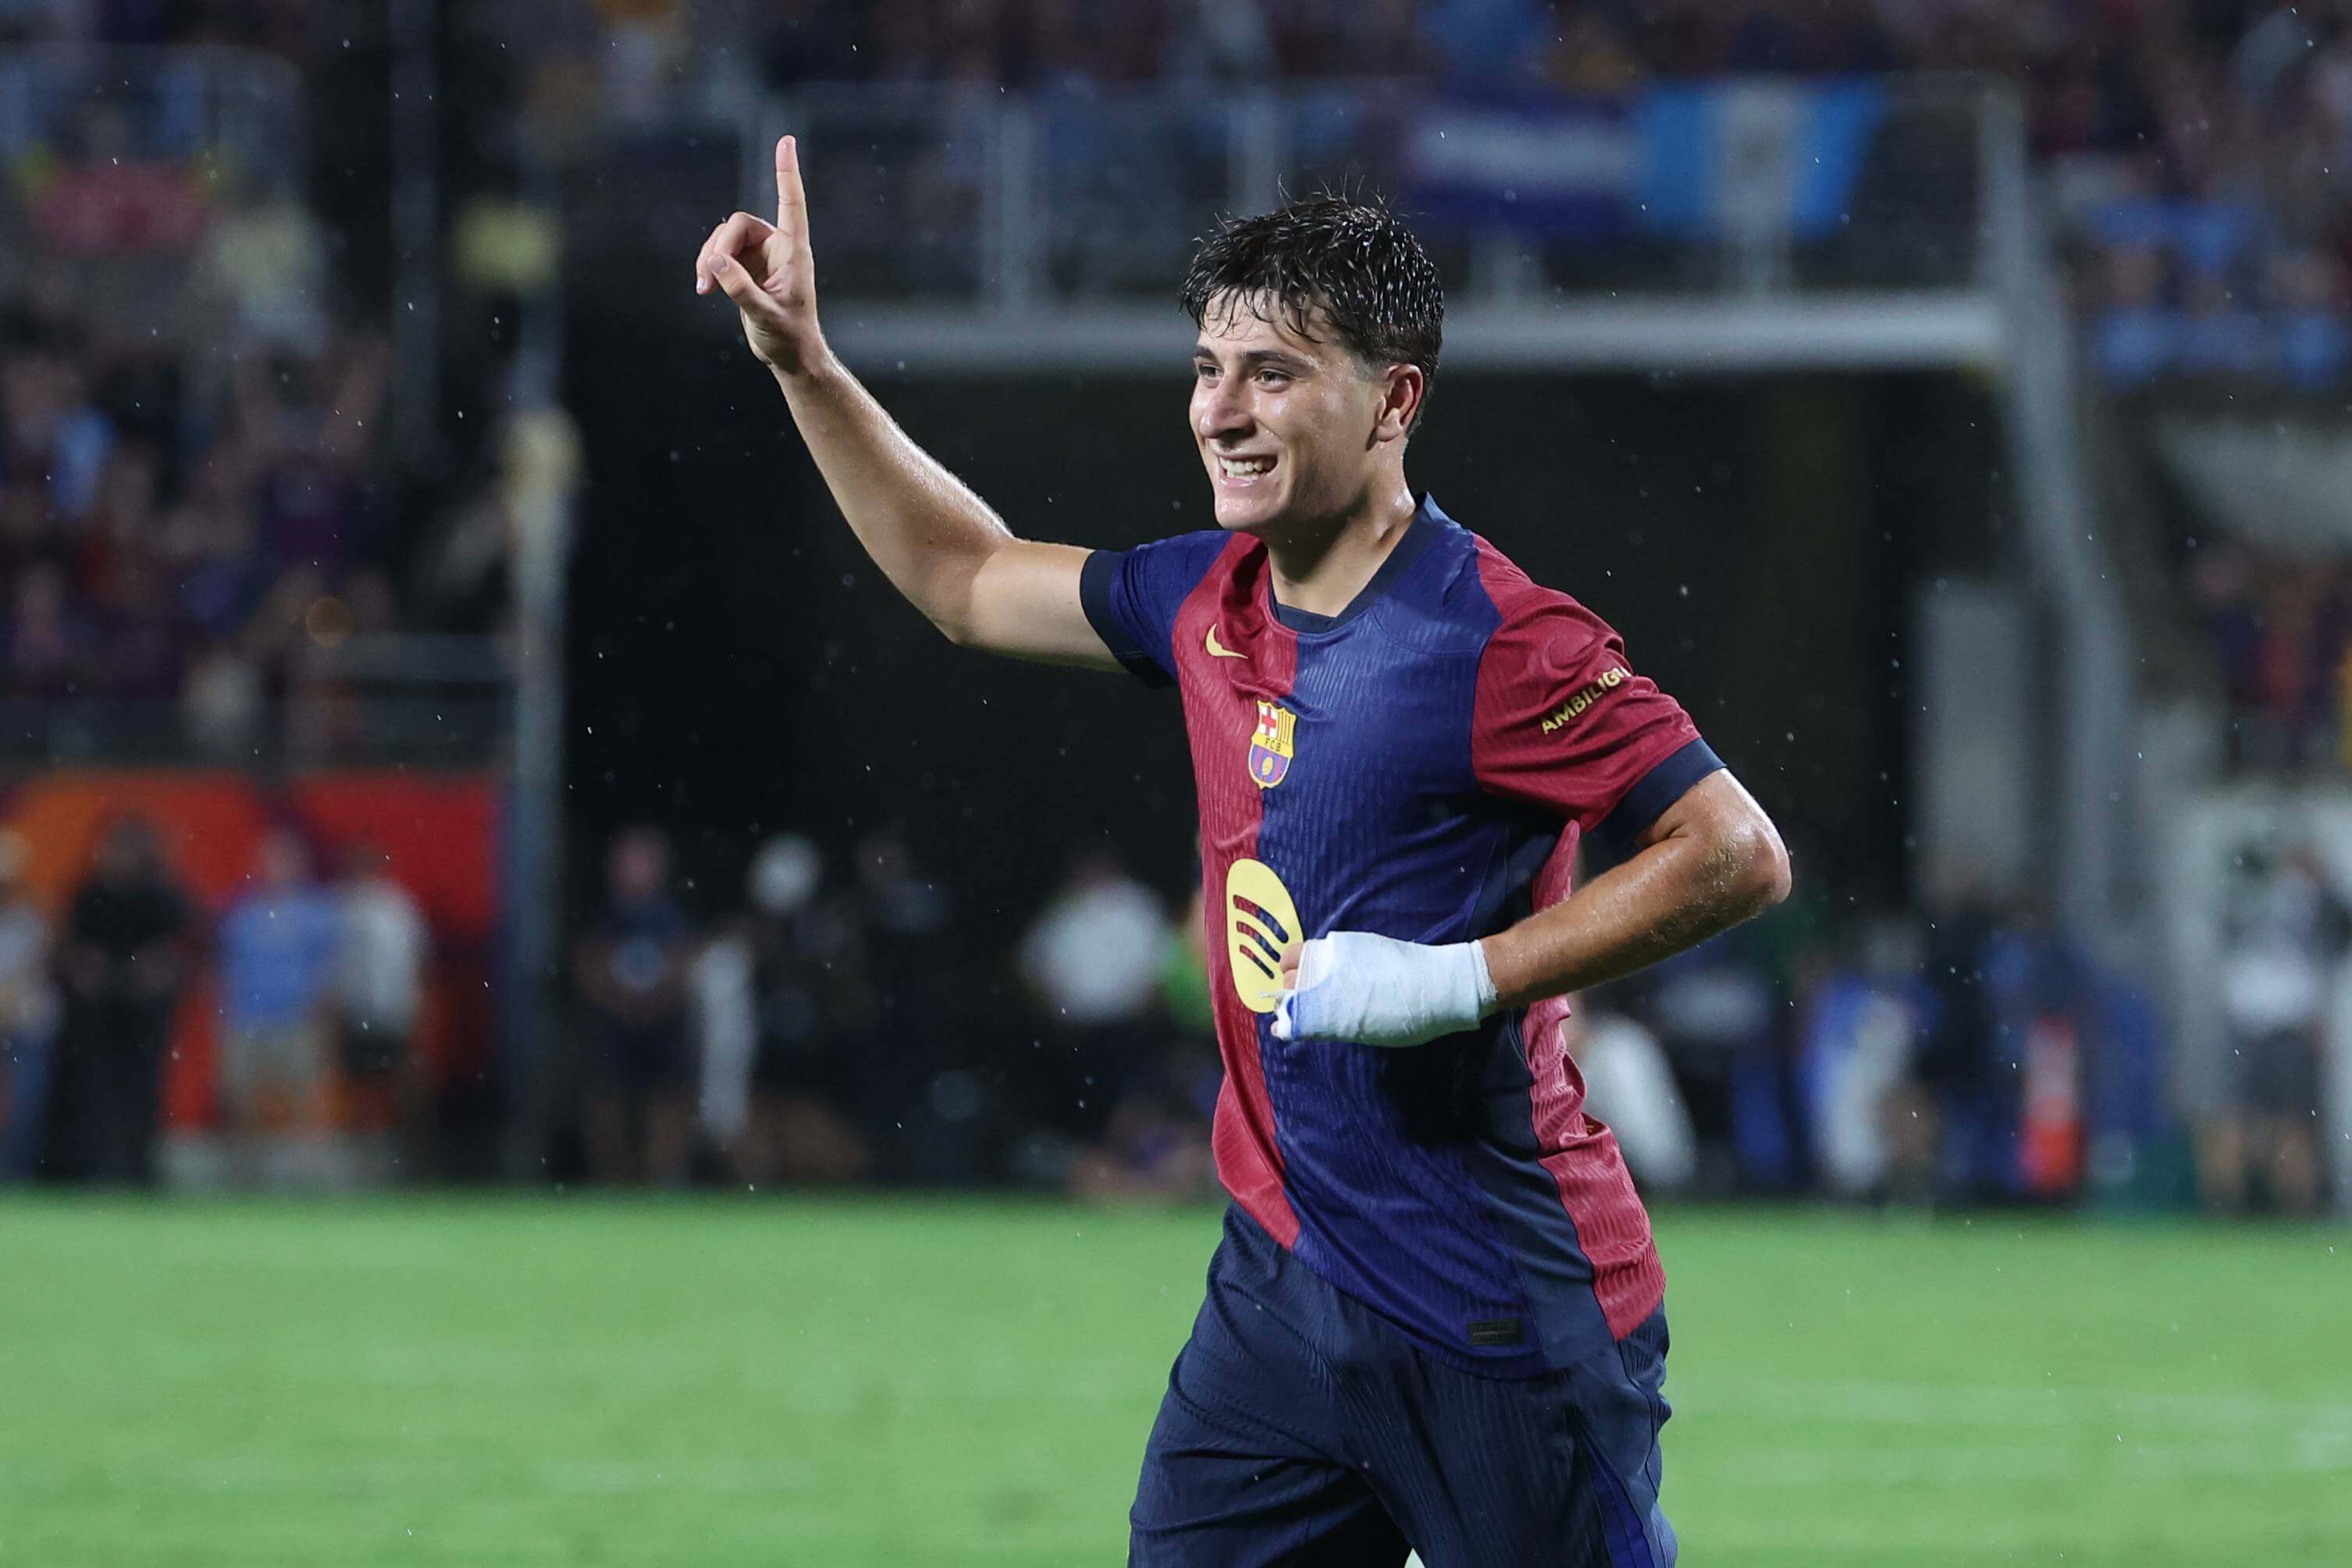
<point>1219,651</point>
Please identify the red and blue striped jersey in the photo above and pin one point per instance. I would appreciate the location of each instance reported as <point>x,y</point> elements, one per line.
<point>1423,765</point>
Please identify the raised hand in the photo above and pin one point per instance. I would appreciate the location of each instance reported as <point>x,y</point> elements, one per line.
<point>765,268</point>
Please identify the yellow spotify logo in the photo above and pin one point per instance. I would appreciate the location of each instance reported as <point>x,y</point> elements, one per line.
<point>1261,923</point>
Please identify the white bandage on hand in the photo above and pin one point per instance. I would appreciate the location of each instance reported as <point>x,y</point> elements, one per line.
<point>1376,991</point>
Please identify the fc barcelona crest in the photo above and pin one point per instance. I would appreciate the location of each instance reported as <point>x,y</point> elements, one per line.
<point>1272,744</point>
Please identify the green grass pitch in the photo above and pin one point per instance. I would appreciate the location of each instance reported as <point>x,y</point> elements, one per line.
<point>543,1380</point>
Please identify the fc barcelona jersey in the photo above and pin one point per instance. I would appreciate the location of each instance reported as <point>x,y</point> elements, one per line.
<point>1423,766</point>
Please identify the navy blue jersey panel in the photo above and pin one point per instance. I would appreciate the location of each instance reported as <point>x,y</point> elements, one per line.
<point>1379,825</point>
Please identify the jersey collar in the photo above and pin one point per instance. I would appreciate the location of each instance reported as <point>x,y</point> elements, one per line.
<point>1427,520</point>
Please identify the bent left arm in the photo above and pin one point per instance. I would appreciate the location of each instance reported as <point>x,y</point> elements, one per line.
<point>1711,860</point>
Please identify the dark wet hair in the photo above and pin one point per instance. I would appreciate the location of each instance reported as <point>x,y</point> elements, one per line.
<point>1377,287</point>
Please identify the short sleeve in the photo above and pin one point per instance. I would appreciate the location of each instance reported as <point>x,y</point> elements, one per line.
<point>1563,722</point>
<point>1131,598</point>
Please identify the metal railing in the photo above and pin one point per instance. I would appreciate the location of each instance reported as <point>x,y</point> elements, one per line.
<point>971,198</point>
<point>413,699</point>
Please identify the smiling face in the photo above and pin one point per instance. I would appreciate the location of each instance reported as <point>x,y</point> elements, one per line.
<point>1293,426</point>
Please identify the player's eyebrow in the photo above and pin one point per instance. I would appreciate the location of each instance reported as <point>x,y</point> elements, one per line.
<point>1253,357</point>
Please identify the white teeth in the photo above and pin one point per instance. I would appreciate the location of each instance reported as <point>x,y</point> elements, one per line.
<point>1242,467</point>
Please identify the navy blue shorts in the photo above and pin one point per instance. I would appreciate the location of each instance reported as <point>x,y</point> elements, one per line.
<point>1302,1427</point>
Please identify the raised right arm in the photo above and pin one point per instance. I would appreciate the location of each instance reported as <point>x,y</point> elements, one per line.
<point>937,543</point>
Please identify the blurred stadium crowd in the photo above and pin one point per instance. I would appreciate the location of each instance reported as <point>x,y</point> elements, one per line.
<point>824,1028</point>
<point>171,550</point>
<point>828,1029</point>
<point>320,987</point>
<point>197,493</point>
<point>197,496</point>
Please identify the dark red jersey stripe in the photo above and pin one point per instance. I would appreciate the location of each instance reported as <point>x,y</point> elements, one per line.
<point>1255,657</point>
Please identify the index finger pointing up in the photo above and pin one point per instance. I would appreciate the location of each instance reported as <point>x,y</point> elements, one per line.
<point>792,206</point>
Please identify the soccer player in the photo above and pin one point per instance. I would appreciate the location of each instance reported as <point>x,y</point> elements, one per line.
<point>1436,1318</point>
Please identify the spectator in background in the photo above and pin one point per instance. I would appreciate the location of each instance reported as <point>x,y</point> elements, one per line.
<point>2024,1138</point>
<point>309,425</point>
<point>788,977</point>
<point>632,974</point>
<point>263,267</point>
<point>1092,960</point>
<point>29,1017</point>
<point>647,44</point>
<point>2135,335</point>
<point>1715,1013</point>
<point>128,946</point>
<point>378,994</point>
<point>2303,635</point>
<point>2288,932</point>
<point>1629,1086</point>
<point>53,434</point>
<point>906,929</point>
<point>1863,1028</point>
<point>1959,1058</point>
<point>51,645</point>
<point>1156,1144</point>
<point>279,946</point>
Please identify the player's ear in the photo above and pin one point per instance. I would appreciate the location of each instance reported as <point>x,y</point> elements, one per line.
<point>1399,400</point>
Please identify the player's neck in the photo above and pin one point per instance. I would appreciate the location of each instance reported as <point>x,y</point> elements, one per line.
<point>1320,569</point>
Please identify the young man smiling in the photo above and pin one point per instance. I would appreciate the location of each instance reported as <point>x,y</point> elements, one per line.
<point>1437,1320</point>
